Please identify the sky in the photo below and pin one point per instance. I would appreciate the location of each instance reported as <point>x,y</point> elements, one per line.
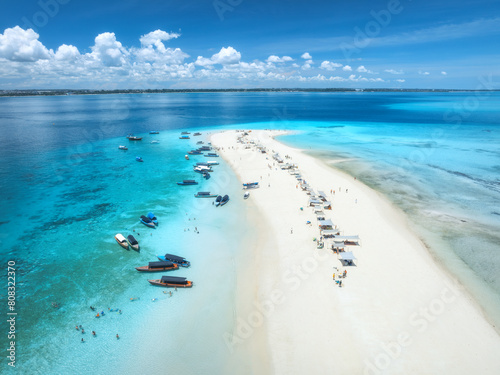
<point>75,44</point>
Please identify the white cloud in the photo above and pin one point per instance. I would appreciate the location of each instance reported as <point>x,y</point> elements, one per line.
<point>67,53</point>
<point>17,44</point>
<point>296,65</point>
<point>361,69</point>
<point>444,73</point>
<point>347,68</point>
<point>392,71</point>
<point>401,80</point>
<point>329,65</point>
<point>156,37</point>
<point>306,66</point>
<point>277,59</point>
<point>226,56</point>
<point>423,73</point>
<point>306,56</point>
<point>108,50</point>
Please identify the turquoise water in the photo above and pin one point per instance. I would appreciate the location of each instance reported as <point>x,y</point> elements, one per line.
<point>67,190</point>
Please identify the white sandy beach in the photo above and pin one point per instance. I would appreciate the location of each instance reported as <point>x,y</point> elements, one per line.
<point>397,310</point>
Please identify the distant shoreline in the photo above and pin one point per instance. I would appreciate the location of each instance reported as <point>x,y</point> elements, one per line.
<point>68,92</point>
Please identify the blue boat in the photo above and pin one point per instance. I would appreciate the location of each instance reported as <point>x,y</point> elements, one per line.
<point>206,175</point>
<point>147,221</point>
<point>224,200</point>
<point>205,194</point>
<point>194,152</point>
<point>152,217</point>
<point>211,155</point>
<point>174,259</point>
<point>138,158</point>
<point>184,137</point>
<point>218,200</point>
<point>154,132</point>
<point>187,182</point>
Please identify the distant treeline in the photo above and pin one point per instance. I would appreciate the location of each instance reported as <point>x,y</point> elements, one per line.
<point>163,91</point>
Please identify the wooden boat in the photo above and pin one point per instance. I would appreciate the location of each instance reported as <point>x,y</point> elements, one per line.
<point>184,133</point>
<point>184,137</point>
<point>158,267</point>
<point>172,281</point>
<point>123,148</point>
<point>152,217</point>
<point>186,157</point>
<point>218,200</point>
<point>155,142</point>
<point>147,221</point>
<point>138,158</point>
<point>197,134</point>
<point>204,194</point>
<point>187,182</point>
<point>175,259</point>
<point>250,185</point>
<point>211,155</point>
<point>246,195</point>
<point>194,152</point>
<point>154,132</point>
<point>133,242</point>
<point>121,241</point>
<point>204,148</point>
<point>224,200</point>
<point>131,137</point>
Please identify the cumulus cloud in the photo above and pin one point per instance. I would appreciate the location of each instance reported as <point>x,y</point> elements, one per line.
<point>108,50</point>
<point>329,65</point>
<point>157,36</point>
<point>67,53</point>
<point>227,56</point>
<point>277,59</point>
<point>17,44</point>
<point>444,73</point>
<point>423,73</point>
<point>361,69</point>
<point>347,68</point>
<point>392,71</point>
<point>306,56</point>
<point>401,80</point>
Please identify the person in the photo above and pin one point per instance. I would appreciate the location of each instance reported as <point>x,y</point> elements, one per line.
<point>92,308</point>
<point>83,340</point>
<point>345,273</point>
<point>334,276</point>
<point>291,231</point>
<point>117,337</point>
<point>83,331</point>
<point>97,316</point>
<point>77,328</point>
<point>93,333</point>
<point>119,311</point>
<point>340,283</point>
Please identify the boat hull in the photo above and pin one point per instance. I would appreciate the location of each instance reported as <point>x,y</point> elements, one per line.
<point>122,244</point>
<point>169,285</point>
<point>183,264</point>
<point>161,269</point>
<point>151,225</point>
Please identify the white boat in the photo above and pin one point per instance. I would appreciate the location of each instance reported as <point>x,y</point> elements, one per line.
<point>155,141</point>
<point>246,195</point>
<point>212,162</point>
<point>123,147</point>
<point>186,157</point>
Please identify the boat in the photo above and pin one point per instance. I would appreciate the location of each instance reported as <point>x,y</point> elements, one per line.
<point>246,195</point>
<point>132,137</point>
<point>197,134</point>
<point>175,259</point>
<point>206,175</point>
<point>184,137</point>
<point>194,152</point>
<point>172,281</point>
<point>158,267</point>
<point>202,168</point>
<point>154,132</point>
<point>251,185</point>
<point>147,221</point>
<point>123,147</point>
<point>133,242</point>
<point>138,158</point>
<point>218,200</point>
<point>121,241</point>
<point>151,216</point>
<point>183,133</point>
<point>187,182</point>
<point>199,142</point>
<point>224,200</point>
<point>204,194</point>
<point>186,157</point>
<point>155,142</point>
<point>204,148</point>
<point>211,155</point>
<point>212,162</point>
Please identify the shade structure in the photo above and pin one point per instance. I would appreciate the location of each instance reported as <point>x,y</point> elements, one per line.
<point>347,255</point>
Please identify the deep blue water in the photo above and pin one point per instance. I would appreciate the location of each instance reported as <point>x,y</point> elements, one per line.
<point>67,189</point>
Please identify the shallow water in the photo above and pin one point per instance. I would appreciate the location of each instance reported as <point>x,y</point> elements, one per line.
<point>67,190</point>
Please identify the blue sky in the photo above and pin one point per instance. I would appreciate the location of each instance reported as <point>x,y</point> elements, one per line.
<point>249,43</point>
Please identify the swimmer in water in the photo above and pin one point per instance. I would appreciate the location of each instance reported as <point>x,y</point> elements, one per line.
<point>117,337</point>
<point>93,333</point>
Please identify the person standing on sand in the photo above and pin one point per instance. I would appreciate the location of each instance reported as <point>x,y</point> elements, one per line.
<point>291,231</point>
<point>333,276</point>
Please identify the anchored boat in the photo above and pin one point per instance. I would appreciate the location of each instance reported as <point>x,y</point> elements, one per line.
<point>158,267</point>
<point>175,259</point>
<point>205,194</point>
<point>172,281</point>
<point>121,241</point>
<point>133,242</point>
<point>187,182</point>
<point>147,221</point>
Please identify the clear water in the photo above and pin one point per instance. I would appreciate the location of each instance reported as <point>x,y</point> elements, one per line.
<point>67,189</point>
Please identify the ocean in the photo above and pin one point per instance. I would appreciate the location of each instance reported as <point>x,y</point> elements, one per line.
<point>434,155</point>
